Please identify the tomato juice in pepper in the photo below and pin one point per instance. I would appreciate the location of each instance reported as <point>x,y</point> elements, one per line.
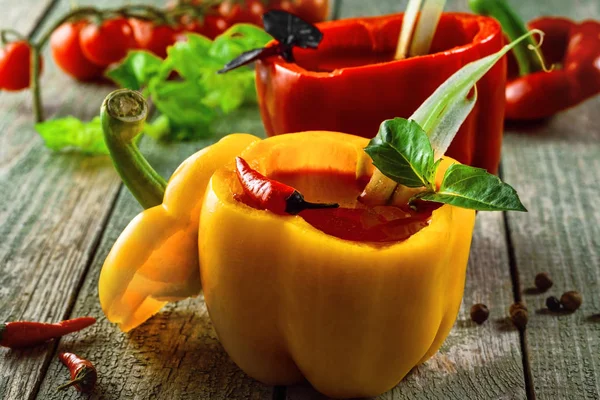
<point>350,84</point>
<point>353,220</point>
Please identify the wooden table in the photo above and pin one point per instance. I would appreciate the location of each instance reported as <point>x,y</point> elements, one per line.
<point>60,214</point>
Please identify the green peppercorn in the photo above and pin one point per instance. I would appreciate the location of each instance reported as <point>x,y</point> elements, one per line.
<point>479,313</point>
<point>571,301</point>
<point>519,315</point>
<point>543,281</point>
<point>553,304</point>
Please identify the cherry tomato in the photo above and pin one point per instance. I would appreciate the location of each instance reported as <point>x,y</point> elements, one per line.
<point>230,12</point>
<point>15,66</point>
<point>154,38</point>
<point>213,26</point>
<point>107,43</point>
<point>68,55</point>
<point>311,10</point>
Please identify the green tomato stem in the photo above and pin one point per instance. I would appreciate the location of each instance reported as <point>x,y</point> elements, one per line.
<point>38,110</point>
<point>514,27</point>
<point>123,114</point>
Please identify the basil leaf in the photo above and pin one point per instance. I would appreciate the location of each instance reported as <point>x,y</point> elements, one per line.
<point>179,102</point>
<point>136,70</point>
<point>402,152</point>
<point>72,134</point>
<point>475,188</point>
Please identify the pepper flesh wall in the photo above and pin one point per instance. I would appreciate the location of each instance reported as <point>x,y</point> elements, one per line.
<point>350,83</point>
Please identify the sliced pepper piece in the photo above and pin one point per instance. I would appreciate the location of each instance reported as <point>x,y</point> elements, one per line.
<point>573,49</point>
<point>155,258</point>
<point>350,83</point>
<point>290,302</point>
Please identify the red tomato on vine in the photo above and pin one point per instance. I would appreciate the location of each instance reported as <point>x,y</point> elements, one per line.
<point>68,54</point>
<point>15,66</point>
<point>153,38</point>
<point>107,43</point>
<point>230,12</point>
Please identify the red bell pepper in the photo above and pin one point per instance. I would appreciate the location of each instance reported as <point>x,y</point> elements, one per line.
<point>351,84</point>
<point>573,49</point>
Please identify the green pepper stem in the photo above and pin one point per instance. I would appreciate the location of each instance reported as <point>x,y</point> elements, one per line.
<point>513,27</point>
<point>123,114</point>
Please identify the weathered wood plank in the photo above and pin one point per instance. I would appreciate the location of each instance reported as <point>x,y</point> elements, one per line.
<point>527,9</point>
<point>174,355</point>
<point>54,208</point>
<point>25,16</point>
<point>555,167</point>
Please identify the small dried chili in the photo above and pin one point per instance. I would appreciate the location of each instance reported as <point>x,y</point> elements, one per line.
<point>268,194</point>
<point>26,334</point>
<point>83,372</point>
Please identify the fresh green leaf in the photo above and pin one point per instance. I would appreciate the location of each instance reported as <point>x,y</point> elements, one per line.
<point>402,152</point>
<point>72,134</point>
<point>136,70</point>
<point>190,58</point>
<point>475,188</point>
<point>158,129</point>
<point>433,171</point>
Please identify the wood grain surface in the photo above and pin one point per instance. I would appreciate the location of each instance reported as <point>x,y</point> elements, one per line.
<point>54,207</point>
<point>61,213</point>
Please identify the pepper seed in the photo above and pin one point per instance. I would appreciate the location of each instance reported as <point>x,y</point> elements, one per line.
<point>479,313</point>
<point>553,304</point>
<point>571,301</point>
<point>543,281</point>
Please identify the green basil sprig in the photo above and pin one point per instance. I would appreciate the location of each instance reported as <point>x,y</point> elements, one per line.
<point>409,152</point>
<point>402,152</point>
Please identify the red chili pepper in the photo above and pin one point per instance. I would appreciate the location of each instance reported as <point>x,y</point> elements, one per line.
<point>83,372</point>
<point>27,334</point>
<point>351,82</point>
<point>268,194</point>
<point>576,48</point>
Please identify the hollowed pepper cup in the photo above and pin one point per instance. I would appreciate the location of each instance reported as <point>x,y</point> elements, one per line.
<point>351,82</point>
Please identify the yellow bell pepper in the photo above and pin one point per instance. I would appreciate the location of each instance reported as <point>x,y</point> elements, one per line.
<point>288,301</point>
<point>155,259</point>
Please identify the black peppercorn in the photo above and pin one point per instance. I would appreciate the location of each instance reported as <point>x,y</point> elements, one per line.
<point>517,306</point>
<point>553,304</point>
<point>479,313</point>
<point>543,281</point>
<point>519,315</point>
<point>571,301</point>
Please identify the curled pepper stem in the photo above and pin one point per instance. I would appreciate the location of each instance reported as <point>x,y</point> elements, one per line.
<point>514,27</point>
<point>123,114</point>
